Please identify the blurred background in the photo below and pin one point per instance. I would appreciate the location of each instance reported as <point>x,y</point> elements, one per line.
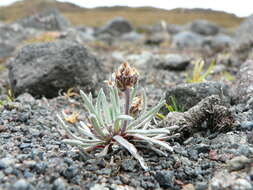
<point>94,13</point>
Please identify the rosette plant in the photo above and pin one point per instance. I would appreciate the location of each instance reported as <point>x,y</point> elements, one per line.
<point>121,118</point>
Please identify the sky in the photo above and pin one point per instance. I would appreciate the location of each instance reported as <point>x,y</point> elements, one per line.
<point>241,8</point>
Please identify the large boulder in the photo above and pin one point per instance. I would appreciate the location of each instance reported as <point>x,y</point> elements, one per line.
<point>204,27</point>
<point>187,39</point>
<point>45,68</point>
<point>49,19</point>
<point>116,27</point>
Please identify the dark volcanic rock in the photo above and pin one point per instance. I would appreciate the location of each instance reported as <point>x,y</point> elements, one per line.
<point>229,181</point>
<point>50,19</point>
<point>6,50</point>
<point>157,38</point>
<point>116,27</point>
<point>45,68</point>
<point>204,27</point>
<point>81,35</point>
<point>165,178</point>
<point>218,42</point>
<point>10,37</point>
<point>244,38</point>
<point>187,39</point>
<point>175,62</point>
<point>242,90</point>
<point>188,95</point>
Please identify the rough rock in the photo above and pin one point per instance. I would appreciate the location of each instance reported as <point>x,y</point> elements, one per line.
<point>11,36</point>
<point>6,50</point>
<point>116,27</point>
<point>78,35</point>
<point>244,38</point>
<point>229,181</point>
<point>22,184</point>
<point>174,29</point>
<point>238,163</point>
<point>49,19</point>
<point>45,68</point>
<point>242,90</point>
<point>157,38</point>
<point>188,95</point>
<point>165,178</point>
<point>218,42</point>
<point>132,37</point>
<point>204,27</point>
<point>174,62</point>
<point>187,39</point>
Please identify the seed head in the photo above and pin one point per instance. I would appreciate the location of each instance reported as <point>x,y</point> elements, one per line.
<point>136,106</point>
<point>126,77</point>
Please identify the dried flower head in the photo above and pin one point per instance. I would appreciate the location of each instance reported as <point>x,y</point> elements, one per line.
<point>126,77</point>
<point>136,106</point>
<point>73,118</point>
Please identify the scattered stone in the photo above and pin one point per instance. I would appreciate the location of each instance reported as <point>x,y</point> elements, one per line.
<point>204,27</point>
<point>238,163</point>
<point>22,184</point>
<point>132,37</point>
<point>242,90</point>
<point>6,50</point>
<point>186,39</point>
<point>219,42</point>
<point>244,38</point>
<point>78,35</point>
<point>248,125</point>
<point>59,184</point>
<point>26,98</point>
<point>229,181</point>
<point>3,128</point>
<point>157,38</point>
<point>49,19</point>
<point>6,162</point>
<point>45,68</point>
<point>25,145</point>
<point>10,37</point>
<point>129,165</point>
<point>174,62</point>
<point>188,187</point>
<point>116,27</point>
<point>174,29</point>
<point>165,178</point>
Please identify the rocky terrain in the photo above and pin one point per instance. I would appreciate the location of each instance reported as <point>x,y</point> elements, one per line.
<point>45,61</point>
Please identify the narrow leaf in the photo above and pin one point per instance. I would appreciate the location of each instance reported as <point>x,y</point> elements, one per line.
<point>131,148</point>
<point>117,122</point>
<point>154,141</point>
<point>96,126</point>
<point>153,111</point>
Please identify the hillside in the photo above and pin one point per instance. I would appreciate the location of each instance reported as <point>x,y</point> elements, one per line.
<point>98,16</point>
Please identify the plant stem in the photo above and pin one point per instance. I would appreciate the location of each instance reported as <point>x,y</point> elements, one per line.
<point>127,107</point>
